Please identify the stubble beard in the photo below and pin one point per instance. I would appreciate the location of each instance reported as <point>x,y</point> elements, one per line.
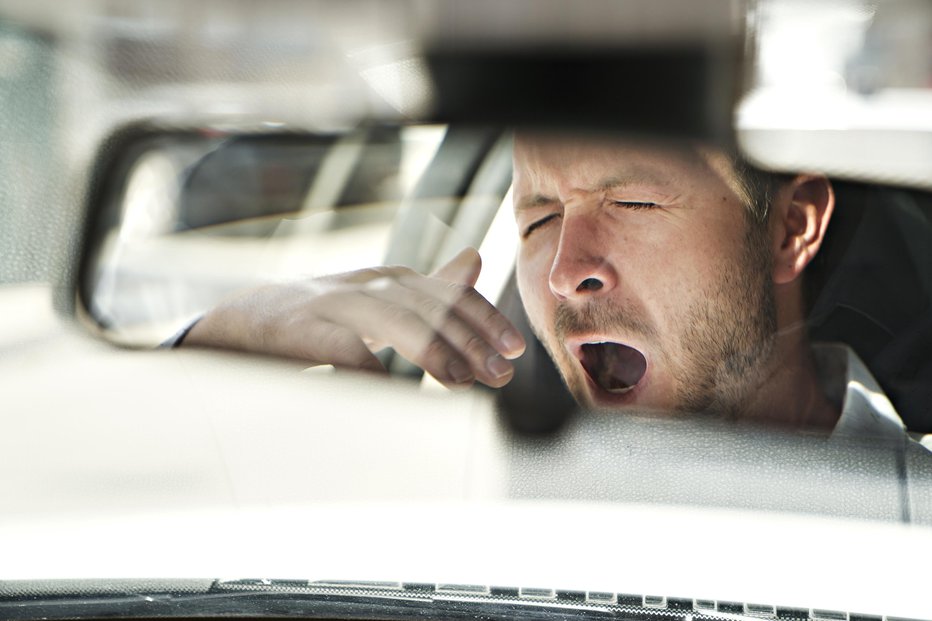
<point>729,339</point>
<point>725,339</point>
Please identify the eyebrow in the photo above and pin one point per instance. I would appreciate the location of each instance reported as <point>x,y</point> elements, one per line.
<point>637,177</point>
<point>535,200</point>
<point>640,177</point>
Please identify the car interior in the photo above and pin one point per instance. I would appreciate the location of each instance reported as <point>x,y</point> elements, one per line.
<point>870,286</point>
<point>167,155</point>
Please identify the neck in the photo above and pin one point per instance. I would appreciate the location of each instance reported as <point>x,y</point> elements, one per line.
<point>789,393</point>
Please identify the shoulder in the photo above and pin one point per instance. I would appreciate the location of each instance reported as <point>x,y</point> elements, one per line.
<point>846,380</point>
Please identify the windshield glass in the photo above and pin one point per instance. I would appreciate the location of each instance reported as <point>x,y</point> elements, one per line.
<point>358,292</point>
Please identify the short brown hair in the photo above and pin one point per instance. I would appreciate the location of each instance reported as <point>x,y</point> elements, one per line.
<point>759,186</point>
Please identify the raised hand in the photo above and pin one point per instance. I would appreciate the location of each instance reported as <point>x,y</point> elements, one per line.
<point>438,322</point>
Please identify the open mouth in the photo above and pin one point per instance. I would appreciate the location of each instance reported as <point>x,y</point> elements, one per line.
<point>614,367</point>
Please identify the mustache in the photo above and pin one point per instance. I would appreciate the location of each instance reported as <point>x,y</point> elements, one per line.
<point>600,318</point>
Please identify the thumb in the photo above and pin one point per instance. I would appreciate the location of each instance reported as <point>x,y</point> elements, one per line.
<point>464,268</point>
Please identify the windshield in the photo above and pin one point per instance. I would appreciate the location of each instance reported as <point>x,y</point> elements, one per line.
<point>404,301</point>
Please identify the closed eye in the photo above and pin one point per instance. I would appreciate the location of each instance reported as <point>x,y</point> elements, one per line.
<point>538,223</point>
<point>635,204</point>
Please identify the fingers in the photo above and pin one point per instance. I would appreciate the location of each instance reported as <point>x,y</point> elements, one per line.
<point>469,305</point>
<point>409,333</point>
<point>462,299</point>
<point>444,326</point>
<point>463,269</point>
<point>330,343</point>
<point>441,322</point>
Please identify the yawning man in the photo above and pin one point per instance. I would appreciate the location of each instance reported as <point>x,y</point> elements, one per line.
<point>662,278</point>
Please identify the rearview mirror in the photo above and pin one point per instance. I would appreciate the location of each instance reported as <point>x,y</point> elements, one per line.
<point>187,217</point>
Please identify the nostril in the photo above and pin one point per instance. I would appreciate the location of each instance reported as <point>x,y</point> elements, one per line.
<point>590,284</point>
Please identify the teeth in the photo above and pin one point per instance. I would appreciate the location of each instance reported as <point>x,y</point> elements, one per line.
<point>619,391</point>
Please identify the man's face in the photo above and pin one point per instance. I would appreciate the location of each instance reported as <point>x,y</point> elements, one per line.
<point>642,274</point>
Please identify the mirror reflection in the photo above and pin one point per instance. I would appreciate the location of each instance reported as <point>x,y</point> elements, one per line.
<point>660,277</point>
<point>198,216</point>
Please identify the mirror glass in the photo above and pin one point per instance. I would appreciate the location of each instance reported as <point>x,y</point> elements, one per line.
<point>703,296</point>
<point>197,216</point>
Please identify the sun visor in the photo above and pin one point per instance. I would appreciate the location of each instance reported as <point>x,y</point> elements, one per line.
<point>683,91</point>
<point>656,69</point>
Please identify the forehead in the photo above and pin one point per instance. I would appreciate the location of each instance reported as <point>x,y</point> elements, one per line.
<point>553,164</point>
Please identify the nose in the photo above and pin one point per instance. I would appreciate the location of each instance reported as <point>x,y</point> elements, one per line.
<point>582,267</point>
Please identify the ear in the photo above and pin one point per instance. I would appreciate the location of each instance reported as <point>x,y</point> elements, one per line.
<point>800,214</point>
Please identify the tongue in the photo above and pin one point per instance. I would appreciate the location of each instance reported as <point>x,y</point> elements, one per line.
<point>613,366</point>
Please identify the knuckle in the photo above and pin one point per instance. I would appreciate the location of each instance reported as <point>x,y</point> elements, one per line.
<point>474,305</point>
<point>379,283</point>
<point>475,346</point>
<point>491,316</point>
<point>434,309</point>
<point>470,298</point>
<point>457,295</point>
<point>471,295</point>
<point>390,272</point>
<point>397,271</point>
<point>399,314</point>
<point>436,349</point>
<point>458,291</point>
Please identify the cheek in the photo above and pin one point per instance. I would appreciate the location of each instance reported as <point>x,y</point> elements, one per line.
<point>716,272</point>
<point>533,276</point>
<point>681,266</point>
<point>715,249</point>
